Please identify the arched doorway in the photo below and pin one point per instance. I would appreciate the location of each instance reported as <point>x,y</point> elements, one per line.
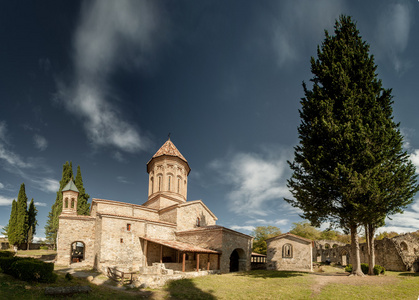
<point>77,252</point>
<point>344,258</point>
<point>237,260</point>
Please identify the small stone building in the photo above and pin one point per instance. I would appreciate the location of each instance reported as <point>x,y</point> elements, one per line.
<point>167,231</point>
<point>289,252</point>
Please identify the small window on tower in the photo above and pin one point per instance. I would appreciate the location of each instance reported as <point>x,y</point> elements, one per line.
<point>198,222</point>
<point>121,241</point>
<point>128,227</point>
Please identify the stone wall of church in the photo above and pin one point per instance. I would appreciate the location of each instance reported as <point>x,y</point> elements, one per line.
<point>235,241</point>
<point>169,215</point>
<point>188,214</point>
<point>298,259</point>
<point>76,229</point>
<point>120,244</point>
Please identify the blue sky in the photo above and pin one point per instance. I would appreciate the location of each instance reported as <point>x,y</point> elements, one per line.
<point>102,83</point>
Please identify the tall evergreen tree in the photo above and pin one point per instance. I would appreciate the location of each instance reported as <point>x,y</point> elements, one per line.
<point>350,158</point>
<point>83,207</point>
<point>32,222</point>
<point>12,223</point>
<point>51,228</point>
<point>21,226</point>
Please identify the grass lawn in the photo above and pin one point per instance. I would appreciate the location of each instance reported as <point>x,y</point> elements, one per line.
<point>258,284</point>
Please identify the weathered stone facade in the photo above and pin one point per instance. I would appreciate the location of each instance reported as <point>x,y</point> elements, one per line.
<point>166,232</point>
<point>289,252</point>
<point>400,253</point>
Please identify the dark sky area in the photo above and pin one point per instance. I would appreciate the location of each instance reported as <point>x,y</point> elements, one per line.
<point>103,83</point>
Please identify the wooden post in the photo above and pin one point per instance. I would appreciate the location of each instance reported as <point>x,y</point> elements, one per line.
<point>218,262</point>
<point>197,262</point>
<point>183,261</point>
<point>208,263</point>
<point>161,253</point>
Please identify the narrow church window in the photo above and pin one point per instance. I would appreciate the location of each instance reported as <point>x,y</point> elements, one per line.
<point>178,185</point>
<point>287,251</point>
<point>72,202</point>
<point>152,185</point>
<point>198,222</point>
<point>121,241</point>
<point>66,203</point>
<point>169,179</point>
<point>159,183</point>
<point>128,227</point>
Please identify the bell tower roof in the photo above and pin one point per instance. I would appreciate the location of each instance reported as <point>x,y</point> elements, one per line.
<point>70,186</point>
<point>169,149</point>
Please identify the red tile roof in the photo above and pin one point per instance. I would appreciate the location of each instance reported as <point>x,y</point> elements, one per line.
<point>181,246</point>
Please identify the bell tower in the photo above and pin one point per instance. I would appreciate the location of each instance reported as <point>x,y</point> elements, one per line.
<point>70,195</point>
<point>168,177</point>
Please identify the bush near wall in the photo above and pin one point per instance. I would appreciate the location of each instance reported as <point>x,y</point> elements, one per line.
<point>379,270</point>
<point>6,254</point>
<point>28,269</point>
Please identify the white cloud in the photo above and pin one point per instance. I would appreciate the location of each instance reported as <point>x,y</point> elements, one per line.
<point>5,201</point>
<point>393,34</point>
<point>1,185</point>
<point>11,158</point>
<point>41,143</point>
<point>414,157</point>
<point>256,180</point>
<point>46,184</point>
<point>264,222</point>
<point>298,27</point>
<point>406,222</point>
<point>110,35</point>
<point>40,204</point>
<point>246,228</point>
<point>122,179</point>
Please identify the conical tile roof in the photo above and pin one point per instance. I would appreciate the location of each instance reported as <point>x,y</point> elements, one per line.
<point>170,149</point>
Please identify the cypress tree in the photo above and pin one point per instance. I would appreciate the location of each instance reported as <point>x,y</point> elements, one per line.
<point>12,224</point>
<point>32,222</point>
<point>21,226</point>
<point>349,167</point>
<point>83,207</point>
<point>51,228</point>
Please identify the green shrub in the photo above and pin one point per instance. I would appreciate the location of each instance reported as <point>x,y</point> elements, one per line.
<point>68,276</point>
<point>379,270</point>
<point>6,254</point>
<point>364,268</point>
<point>43,247</point>
<point>348,268</point>
<point>6,264</point>
<point>33,270</point>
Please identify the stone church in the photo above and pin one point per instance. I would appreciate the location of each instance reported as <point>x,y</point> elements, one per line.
<point>166,231</point>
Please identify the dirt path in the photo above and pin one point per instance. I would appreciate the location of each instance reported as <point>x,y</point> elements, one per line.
<point>323,279</point>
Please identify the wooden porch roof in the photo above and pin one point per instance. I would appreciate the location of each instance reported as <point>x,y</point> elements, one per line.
<point>183,247</point>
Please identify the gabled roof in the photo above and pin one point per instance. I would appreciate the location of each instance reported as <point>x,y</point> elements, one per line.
<point>285,235</point>
<point>70,186</point>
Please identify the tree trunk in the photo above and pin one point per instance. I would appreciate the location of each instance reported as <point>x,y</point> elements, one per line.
<point>371,253</point>
<point>355,258</point>
<point>367,243</point>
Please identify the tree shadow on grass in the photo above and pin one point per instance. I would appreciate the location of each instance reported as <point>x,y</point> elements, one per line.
<point>186,289</point>
<point>409,274</point>
<point>271,274</point>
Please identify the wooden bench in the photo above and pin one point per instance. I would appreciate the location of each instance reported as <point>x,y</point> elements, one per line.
<point>118,275</point>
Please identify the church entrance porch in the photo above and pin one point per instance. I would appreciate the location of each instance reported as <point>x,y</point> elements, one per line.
<point>237,260</point>
<point>161,255</point>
